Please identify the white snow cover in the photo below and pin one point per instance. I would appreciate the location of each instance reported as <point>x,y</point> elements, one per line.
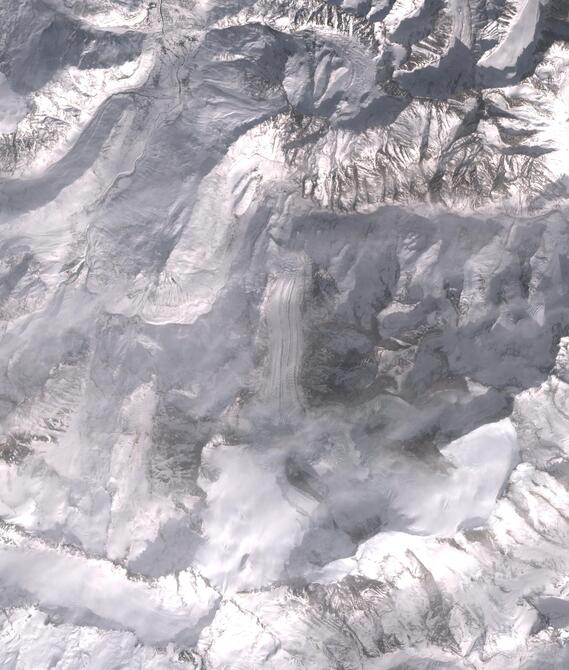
<point>12,107</point>
<point>284,334</point>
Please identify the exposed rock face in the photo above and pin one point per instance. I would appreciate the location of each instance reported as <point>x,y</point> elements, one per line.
<point>284,334</point>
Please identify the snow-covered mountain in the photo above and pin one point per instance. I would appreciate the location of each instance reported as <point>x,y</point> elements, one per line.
<point>284,334</point>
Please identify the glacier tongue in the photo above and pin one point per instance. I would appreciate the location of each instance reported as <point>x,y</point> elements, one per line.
<point>284,334</point>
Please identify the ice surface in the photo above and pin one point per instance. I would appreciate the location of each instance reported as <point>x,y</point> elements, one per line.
<point>284,334</point>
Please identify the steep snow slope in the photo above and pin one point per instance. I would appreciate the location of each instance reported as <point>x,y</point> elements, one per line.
<point>284,334</point>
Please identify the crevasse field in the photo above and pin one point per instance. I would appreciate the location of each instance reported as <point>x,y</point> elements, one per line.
<point>284,335</point>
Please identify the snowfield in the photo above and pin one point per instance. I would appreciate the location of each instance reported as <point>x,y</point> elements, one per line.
<point>284,334</point>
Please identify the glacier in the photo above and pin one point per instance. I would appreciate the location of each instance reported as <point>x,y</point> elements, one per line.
<point>284,334</point>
